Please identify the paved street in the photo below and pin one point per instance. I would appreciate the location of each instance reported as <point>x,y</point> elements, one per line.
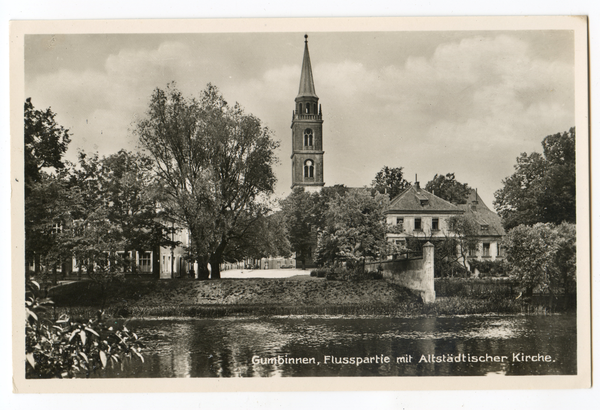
<point>264,273</point>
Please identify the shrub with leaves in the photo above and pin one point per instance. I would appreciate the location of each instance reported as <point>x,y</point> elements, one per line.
<point>543,257</point>
<point>497,268</point>
<point>70,347</point>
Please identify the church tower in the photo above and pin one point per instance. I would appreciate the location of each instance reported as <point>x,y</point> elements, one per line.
<point>307,132</point>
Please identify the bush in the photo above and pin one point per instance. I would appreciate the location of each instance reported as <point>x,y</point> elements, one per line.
<point>444,269</point>
<point>71,347</point>
<point>475,288</point>
<point>313,273</point>
<point>353,275</point>
<point>494,269</point>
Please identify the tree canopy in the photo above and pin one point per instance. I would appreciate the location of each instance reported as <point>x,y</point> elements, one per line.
<point>543,256</point>
<point>390,181</point>
<point>542,189</point>
<point>305,216</point>
<point>45,143</point>
<point>355,228</point>
<point>113,203</point>
<point>448,188</point>
<point>215,163</point>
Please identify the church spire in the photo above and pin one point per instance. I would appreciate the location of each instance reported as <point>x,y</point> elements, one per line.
<point>307,85</point>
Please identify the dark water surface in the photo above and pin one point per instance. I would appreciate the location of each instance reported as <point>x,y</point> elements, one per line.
<point>334,346</point>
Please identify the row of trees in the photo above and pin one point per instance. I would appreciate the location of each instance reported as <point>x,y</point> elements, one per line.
<point>344,225</point>
<point>339,224</point>
<point>205,166</point>
<point>536,204</point>
<point>209,167</point>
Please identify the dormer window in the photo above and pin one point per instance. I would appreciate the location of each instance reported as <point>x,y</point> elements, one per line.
<point>484,228</point>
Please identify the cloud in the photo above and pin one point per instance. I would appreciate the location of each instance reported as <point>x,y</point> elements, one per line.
<point>472,104</point>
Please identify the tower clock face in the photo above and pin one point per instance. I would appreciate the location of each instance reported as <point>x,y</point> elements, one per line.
<point>309,163</point>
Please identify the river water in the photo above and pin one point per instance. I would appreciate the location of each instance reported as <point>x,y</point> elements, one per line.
<point>351,346</point>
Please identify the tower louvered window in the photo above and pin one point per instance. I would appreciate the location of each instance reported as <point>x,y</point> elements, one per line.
<point>309,169</point>
<point>308,137</point>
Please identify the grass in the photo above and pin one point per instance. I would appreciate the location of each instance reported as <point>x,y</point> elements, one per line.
<point>443,306</point>
<point>152,298</point>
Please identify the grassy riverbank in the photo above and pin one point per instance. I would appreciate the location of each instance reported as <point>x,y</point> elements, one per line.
<point>266,297</point>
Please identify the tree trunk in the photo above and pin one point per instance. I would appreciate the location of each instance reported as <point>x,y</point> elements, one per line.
<point>127,261</point>
<point>202,269</point>
<point>36,262</point>
<point>133,264</point>
<point>215,268</point>
<point>215,260</point>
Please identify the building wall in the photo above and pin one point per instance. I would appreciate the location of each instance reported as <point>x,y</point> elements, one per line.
<point>426,231</point>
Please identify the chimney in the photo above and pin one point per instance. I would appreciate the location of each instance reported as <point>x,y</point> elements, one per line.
<point>474,203</point>
<point>417,185</point>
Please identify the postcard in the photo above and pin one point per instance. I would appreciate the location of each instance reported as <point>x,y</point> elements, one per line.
<point>300,204</point>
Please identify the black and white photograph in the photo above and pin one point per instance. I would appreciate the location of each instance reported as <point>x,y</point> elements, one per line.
<point>373,202</point>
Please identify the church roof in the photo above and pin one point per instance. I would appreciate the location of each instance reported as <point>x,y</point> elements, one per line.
<point>489,221</point>
<point>417,200</point>
<point>307,85</point>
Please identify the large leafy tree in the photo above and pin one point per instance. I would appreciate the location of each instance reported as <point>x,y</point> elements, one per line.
<point>543,257</point>
<point>542,189</point>
<point>448,188</point>
<point>263,237</point>
<point>390,181</point>
<point>215,163</point>
<point>45,142</point>
<point>302,214</point>
<point>114,208</point>
<point>132,196</point>
<point>355,228</point>
<point>305,216</point>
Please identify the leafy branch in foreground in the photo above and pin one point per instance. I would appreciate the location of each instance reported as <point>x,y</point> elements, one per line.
<point>67,347</point>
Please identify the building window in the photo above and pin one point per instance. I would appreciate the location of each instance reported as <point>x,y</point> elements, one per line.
<point>309,169</point>
<point>486,249</point>
<point>417,224</point>
<point>484,228</point>
<point>308,137</point>
<point>400,223</point>
<point>56,228</point>
<point>146,262</point>
<point>435,224</point>
<point>300,110</point>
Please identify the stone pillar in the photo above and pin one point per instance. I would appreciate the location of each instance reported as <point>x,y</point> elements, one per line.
<point>428,289</point>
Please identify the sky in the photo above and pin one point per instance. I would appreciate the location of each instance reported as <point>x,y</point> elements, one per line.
<point>432,102</point>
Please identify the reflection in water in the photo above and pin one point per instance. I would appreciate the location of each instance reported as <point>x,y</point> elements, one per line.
<point>337,346</point>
